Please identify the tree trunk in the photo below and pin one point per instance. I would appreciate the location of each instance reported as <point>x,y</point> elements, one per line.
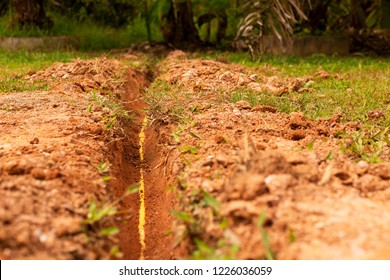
<point>178,27</point>
<point>4,7</point>
<point>186,33</point>
<point>29,13</point>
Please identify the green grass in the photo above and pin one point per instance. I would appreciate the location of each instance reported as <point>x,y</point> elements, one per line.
<point>89,36</point>
<point>15,66</point>
<point>21,62</point>
<point>116,113</point>
<point>357,85</point>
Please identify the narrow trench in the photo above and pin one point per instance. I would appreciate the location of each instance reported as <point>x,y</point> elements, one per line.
<point>143,232</point>
<point>141,191</point>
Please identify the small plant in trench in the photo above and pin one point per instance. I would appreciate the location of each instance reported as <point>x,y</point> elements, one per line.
<point>177,133</point>
<point>220,251</point>
<point>98,215</point>
<point>193,150</point>
<point>269,254</point>
<point>99,219</point>
<point>103,169</point>
<point>203,206</point>
<point>113,110</point>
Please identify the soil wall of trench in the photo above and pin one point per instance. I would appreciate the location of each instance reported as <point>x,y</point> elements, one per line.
<point>126,172</point>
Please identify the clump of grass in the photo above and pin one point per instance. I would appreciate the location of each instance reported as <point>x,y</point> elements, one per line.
<point>19,85</point>
<point>115,112</point>
<point>282,103</point>
<point>104,169</point>
<point>269,254</point>
<point>202,204</point>
<point>18,64</point>
<point>168,103</point>
<point>99,219</point>
<point>222,250</point>
<point>366,145</point>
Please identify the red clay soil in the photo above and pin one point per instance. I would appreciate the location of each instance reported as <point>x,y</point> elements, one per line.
<point>50,147</point>
<point>220,167</point>
<point>319,203</point>
<point>52,152</point>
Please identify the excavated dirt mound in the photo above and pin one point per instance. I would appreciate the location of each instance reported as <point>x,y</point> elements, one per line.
<point>235,163</point>
<point>221,180</point>
<point>83,75</point>
<point>49,153</point>
<point>211,76</point>
<point>58,199</point>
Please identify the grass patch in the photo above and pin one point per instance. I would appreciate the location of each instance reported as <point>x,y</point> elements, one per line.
<point>89,35</point>
<point>167,102</point>
<point>366,145</point>
<point>20,85</point>
<point>115,111</point>
<point>15,66</point>
<point>356,85</point>
<point>21,62</point>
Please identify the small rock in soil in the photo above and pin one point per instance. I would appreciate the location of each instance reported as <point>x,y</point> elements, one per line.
<point>34,141</point>
<point>17,167</point>
<point>66,225</point>
<point>279,182</point>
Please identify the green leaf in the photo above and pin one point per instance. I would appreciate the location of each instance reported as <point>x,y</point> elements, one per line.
<point>372,19</point>
<point>106,178</point>
<point>92,208</point>
<point>176,137</point>
<point>291,235</point>
<point>211,201</point>
<point>202,246</point>
<point>110,231</point>
<point>181,215</point>
<point>329,156</point>
<point>261,219</point>
<point>158,9</point>
<point>108,211</point>
<point>115,251</point>
<point>195,135</point>
<point>224,223</point>
<point>310,146</point>
<point>264,236</point>
<point>190,150</point>
<point>132,189</point>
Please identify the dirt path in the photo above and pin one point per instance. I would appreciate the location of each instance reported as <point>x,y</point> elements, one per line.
<point>234,176</point>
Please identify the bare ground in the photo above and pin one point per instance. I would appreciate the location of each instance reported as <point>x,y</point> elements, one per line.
<point>226,165</point>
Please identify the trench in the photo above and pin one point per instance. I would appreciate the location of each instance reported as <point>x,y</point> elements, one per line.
<point>136,161</point>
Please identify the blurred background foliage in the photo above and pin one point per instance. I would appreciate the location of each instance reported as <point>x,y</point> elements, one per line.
<point>182,23</point>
